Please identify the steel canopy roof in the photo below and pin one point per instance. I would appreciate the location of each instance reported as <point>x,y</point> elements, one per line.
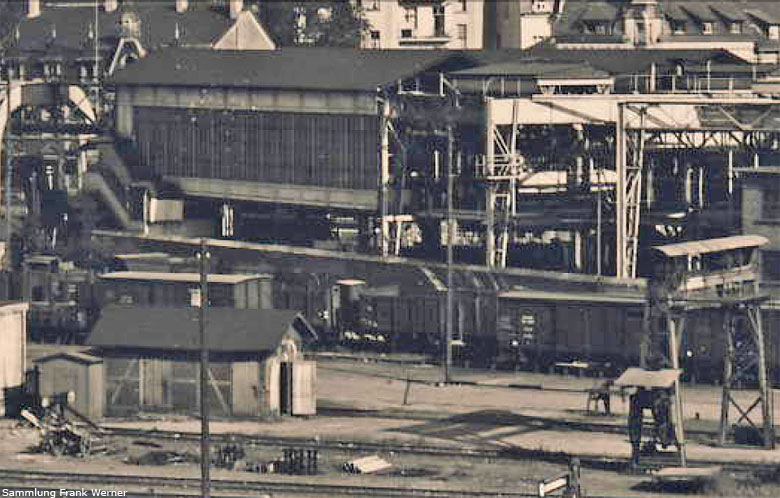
<point>696,247</point>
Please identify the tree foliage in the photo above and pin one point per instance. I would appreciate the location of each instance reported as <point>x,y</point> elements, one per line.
<point>326,23</point>
<point>11,11</point>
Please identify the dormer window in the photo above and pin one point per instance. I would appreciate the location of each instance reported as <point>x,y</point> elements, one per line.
<point>678,27</point>
<point>598,28</point>
<point>736,28</point>
<point>707,28</point>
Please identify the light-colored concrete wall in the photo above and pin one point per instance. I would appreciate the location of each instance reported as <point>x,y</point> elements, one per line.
<point>522,23</point>
<point>390,17</point>
<point>13,342</point>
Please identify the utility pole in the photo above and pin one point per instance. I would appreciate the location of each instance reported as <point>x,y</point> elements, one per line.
<point>450,241</point>
<point>8,179</point>
<point>205,451</point>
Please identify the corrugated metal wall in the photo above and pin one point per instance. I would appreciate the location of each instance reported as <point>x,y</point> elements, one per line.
<point>328,150</point>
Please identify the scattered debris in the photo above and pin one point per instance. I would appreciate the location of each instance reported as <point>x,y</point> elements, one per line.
<point>229,455</point>
<point>367,465</point>
<point>60,437</point>
<point>299,462</point>
<point>163,458</point>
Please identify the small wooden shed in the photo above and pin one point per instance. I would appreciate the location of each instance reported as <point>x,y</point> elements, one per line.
<point>13,343</point>
<point>78,372</point>
<point>152,357</point>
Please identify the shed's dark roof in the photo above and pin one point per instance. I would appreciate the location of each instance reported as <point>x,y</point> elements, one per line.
<point>227,329</point>
<point>310,68</point>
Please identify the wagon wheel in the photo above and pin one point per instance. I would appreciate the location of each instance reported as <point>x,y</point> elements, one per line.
<point>85,446</point>
<point>56,447</point>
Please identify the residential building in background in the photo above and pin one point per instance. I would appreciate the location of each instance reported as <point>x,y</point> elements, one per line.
<point>748,28</point>
<point>520,23</point>
<point>423,24</point>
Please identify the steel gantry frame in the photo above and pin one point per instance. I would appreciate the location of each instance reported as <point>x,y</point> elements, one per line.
<point>743,352</point>
<point>686,284</point>
<point>630,149</point>
<point>501,172</point>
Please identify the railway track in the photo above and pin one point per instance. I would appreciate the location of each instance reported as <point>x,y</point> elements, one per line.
<point>170,485</point>
<point>508,453</point>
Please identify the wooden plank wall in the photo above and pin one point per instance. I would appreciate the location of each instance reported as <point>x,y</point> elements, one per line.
<point>327,150</point>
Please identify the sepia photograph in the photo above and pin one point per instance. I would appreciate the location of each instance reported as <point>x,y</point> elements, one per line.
<point>389,248</point>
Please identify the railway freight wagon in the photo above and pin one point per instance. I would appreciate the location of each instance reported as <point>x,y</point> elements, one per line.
<point>538,328</point>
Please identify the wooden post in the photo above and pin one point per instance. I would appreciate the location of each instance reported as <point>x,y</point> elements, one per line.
<point>205,450</point>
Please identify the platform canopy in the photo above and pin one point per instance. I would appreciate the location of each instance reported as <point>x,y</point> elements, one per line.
<point>697,247</point>
<point>639,377</point>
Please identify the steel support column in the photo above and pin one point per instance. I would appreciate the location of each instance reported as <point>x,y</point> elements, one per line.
<point>490,188</point>
<point>620,193</point>
<point>384,177</point>
<point>742,354</point>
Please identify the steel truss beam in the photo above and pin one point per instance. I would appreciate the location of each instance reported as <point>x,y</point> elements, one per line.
<point>637,130</point>
<point>745,354</point>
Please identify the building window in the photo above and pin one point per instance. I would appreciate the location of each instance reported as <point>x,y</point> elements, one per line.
<point>463,35</point>
<point>770,266</point>
<point>438,20</point>
<point>602,29</point>
<point>736,28</point>
<point>375,41</point>
<point>406,33</point>
<point>770,204</point>
<point>707,28</point>
<point>597,28</point>
<point>540,6</point>
<point>410,15</point>
<point>678,27</point>
<point>773,32</point>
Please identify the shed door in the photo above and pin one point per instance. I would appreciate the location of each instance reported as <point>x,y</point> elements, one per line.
<point>155,380</point>
<point>304,395</point>
<point>246,388</point>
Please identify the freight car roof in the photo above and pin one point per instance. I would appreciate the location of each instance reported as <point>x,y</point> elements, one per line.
<point>571,296</point>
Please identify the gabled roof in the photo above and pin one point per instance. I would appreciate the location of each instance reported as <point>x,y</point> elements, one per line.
<point>65,29</point>
<point>729,11</point>
<point>599,11</point>
<point>309,68</point>
<point>699,11</point>
<point>227,329</point>
<point>764,15</point>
